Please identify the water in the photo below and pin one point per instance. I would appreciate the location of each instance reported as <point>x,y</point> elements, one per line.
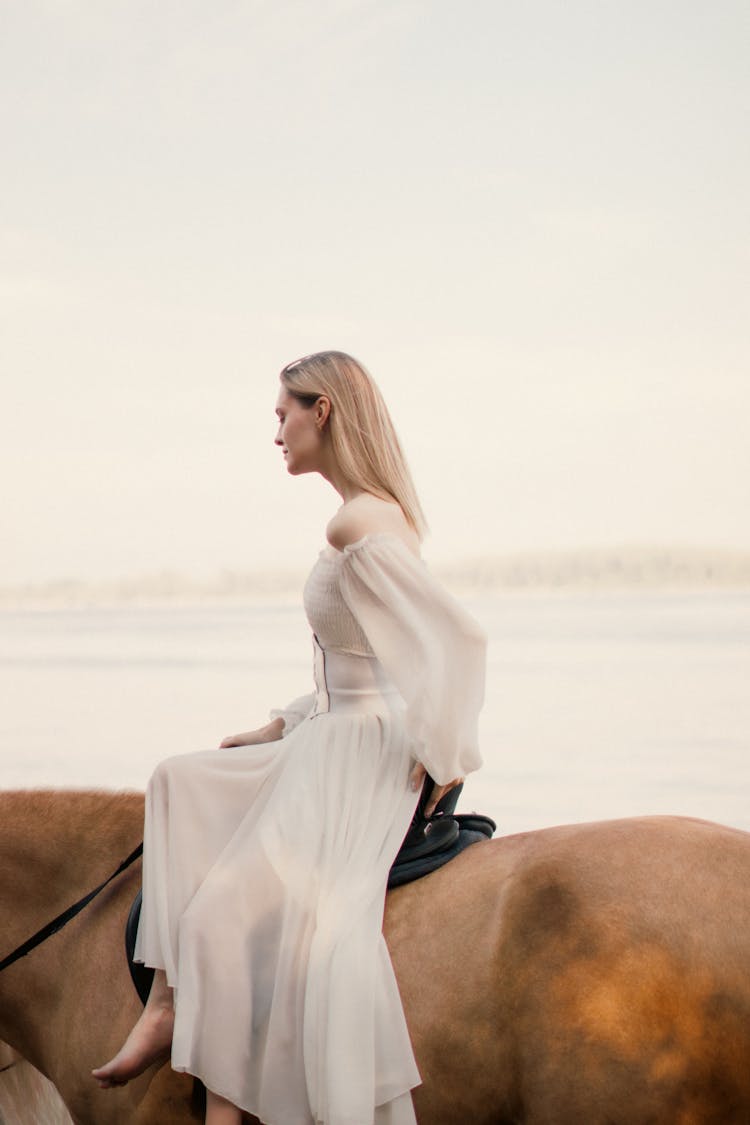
<point>598,704</point>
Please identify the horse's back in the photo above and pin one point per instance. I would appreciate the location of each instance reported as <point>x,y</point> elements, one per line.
<point>620,990</point>
<point>670,881</point>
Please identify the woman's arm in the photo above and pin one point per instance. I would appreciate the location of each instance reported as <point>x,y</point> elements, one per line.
<point>271,732</point>
<point>430,647</point>
<point>282,723</point>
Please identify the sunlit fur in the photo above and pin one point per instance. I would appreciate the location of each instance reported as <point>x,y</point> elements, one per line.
<point>363,438</point>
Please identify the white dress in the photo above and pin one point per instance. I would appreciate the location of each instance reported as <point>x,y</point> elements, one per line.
<point>265,867</point>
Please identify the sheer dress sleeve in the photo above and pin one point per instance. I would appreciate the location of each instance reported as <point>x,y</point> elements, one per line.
<point>430,648</point>
<point>294,712</point>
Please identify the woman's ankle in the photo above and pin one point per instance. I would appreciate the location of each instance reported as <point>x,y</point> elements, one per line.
<point>161,995</point>
<point>219,1111</point>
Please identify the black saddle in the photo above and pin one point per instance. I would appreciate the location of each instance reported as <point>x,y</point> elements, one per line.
<point>430,843</point>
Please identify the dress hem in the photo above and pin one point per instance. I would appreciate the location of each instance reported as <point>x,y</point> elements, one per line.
<point>309,1120</point>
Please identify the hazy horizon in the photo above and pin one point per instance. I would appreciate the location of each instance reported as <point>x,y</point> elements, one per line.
<point>626,568</point>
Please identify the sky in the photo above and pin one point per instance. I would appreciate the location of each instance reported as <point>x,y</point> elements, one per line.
<point>529,221</point>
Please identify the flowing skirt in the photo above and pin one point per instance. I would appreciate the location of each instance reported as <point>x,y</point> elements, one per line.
<point>265,872</point>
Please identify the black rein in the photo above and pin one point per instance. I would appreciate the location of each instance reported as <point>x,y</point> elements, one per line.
<point>63,919</point>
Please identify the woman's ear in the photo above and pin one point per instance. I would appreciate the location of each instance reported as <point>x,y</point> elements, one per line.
<point>322,411</point>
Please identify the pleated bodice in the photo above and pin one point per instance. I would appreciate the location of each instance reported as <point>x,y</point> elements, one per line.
<point>333,623</point>
<point>348,677</point>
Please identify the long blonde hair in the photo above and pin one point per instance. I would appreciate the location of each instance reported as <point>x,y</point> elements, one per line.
<point>363,438</point>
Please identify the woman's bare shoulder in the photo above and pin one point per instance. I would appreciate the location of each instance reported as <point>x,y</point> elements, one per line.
<point>369,515</point>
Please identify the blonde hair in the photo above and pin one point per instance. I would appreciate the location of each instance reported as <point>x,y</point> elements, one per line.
<point>363,438</point>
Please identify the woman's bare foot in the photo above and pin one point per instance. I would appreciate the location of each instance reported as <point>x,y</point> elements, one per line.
<point>148,1042</point>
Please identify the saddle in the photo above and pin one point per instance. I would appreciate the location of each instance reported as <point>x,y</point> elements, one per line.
<point>430,843</point>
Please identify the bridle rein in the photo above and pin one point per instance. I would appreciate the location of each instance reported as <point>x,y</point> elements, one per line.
<point>62,919</point>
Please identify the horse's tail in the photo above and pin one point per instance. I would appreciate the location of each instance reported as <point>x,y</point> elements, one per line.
<point>26,1096</point>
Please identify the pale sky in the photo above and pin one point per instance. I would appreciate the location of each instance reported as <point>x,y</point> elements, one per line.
<point>530,221</point>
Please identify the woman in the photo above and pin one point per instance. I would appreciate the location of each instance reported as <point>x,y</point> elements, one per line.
<point>266,862</point>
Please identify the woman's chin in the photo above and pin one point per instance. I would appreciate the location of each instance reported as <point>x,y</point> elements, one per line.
<point>298,468</point>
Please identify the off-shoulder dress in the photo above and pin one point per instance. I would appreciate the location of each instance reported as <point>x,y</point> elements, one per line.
<point>265,867</point>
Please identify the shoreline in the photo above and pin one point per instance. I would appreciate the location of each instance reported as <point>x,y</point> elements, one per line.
<point>636,569</point>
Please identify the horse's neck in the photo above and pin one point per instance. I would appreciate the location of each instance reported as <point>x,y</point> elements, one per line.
<point>54,847</point>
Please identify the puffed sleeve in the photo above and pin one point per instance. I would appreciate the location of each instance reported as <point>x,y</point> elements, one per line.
<point>431,649</point>
<point>294,713</point>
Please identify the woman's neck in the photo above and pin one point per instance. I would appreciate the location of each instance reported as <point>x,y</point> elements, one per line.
<point>346,488</point>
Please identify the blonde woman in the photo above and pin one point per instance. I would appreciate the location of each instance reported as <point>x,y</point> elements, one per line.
<point>266,862</point>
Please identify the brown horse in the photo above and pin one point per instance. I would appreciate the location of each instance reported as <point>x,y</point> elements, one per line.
<point>579,975</point>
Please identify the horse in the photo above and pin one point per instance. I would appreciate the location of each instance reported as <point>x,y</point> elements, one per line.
<point>590,973</point>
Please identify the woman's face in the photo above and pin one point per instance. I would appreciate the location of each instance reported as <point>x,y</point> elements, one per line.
<point>299,434</point>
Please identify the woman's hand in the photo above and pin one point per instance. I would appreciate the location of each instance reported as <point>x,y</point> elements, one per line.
<point>416,780</point>
<point>271,732</point>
